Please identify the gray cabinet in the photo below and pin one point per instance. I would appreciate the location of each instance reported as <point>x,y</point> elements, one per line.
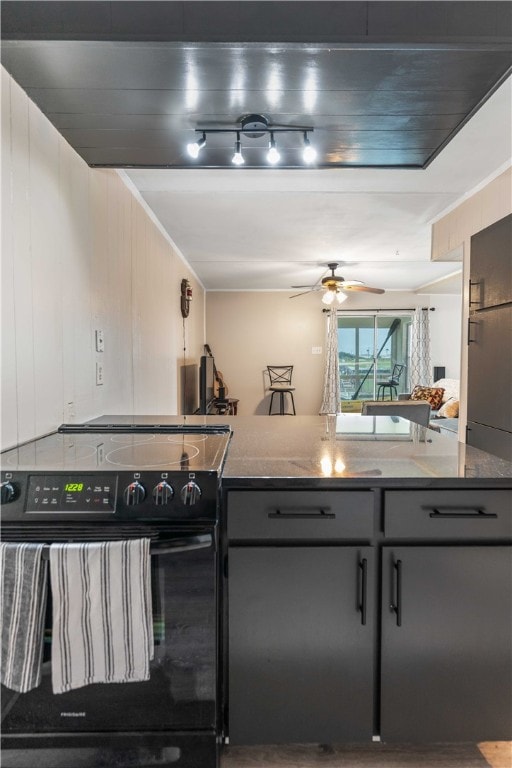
<point>491,265</point>
<point>490,369</point>
<point>446,643</point>
<point>442,515</point>
<point>301,644</point>
<point>300,515</point>
<point>397,623</point>
<point>490,439</point>
<point>490,340</point>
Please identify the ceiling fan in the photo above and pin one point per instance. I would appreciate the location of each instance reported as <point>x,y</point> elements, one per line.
<point>334,287</point>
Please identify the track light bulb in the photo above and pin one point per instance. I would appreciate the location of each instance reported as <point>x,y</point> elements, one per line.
<point>328,297</point>
<point>195,147</point>
<point>273,155</point>
<point>309,152</point>
<point>237,158</point>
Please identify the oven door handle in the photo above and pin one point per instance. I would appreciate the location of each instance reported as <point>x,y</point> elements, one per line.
<point>188,544</point>
<point>201,541</point>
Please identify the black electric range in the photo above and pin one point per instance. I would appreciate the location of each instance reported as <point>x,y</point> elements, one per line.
<point>105,482</point>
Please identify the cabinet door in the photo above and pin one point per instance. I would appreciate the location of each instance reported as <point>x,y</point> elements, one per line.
<point>446,644</point>
<point>300,644</point>
<point>490,368</point>
<point>495,441</point>
<point>491,265</point>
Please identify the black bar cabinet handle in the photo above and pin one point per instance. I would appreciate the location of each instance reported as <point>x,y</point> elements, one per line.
<point>470,323</point>
<point>396,607</point>
<point>471,284</point>
<point>363,565</point>
<point>458,512</point>
<point>320,515</point>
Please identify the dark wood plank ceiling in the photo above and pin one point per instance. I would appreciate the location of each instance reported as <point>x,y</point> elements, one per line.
<point>383,84</point>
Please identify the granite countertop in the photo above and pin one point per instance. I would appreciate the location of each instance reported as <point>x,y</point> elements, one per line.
<point>337,449</point>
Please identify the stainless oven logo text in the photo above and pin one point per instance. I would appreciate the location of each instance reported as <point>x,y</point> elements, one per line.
<point>72,714</point>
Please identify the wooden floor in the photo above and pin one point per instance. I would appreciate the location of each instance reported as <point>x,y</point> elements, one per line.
<point>494,754</point>
<point>497,753</point>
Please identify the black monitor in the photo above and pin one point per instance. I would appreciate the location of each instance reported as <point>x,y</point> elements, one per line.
<point>206,383</point>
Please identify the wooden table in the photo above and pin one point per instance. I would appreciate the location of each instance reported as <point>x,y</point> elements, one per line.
<point>229,406</point>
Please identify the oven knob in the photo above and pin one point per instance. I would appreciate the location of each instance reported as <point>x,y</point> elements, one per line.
<point>135,493</point>
<point>190,493</point>
<point>7,492</point>
<point>162,493</point>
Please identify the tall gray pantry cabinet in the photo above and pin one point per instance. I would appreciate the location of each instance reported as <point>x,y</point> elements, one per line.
<point>355,613</point>
<point>489,424</point>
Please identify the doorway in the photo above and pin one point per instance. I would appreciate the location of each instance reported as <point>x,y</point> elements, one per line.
<point>369,346</point>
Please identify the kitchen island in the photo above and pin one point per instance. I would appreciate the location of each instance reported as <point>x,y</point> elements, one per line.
<point>368,576</point>
<point>366,582</point>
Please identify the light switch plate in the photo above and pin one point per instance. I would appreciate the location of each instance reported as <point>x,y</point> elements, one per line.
<point>99,374</point>
<point>100,342</point>
<point>316,350</point>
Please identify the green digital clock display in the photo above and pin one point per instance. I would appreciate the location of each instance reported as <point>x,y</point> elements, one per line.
<point>73,487</point>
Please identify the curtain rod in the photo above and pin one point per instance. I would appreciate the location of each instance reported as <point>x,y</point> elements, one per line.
<point>394,309</point>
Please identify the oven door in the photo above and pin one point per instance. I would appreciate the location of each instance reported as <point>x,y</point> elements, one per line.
<point>181,692</point>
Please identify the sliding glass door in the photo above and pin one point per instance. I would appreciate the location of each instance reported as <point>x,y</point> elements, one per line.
<point>370,345</point>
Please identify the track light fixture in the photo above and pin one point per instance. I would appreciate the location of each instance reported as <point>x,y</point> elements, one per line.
<point>309,152</point>
<point>195,147</point>
<point>253,127</point>
<point>238,158</point>
<point>273,155</point>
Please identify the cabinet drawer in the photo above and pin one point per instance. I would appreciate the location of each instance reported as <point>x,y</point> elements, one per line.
<point>476,514</point>
<point>300,514</point>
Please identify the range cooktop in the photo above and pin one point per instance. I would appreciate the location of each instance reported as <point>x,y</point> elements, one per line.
<point>112,448</point>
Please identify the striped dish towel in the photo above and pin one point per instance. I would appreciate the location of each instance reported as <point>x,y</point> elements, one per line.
<point>102,615</point>
<point>22,611</point>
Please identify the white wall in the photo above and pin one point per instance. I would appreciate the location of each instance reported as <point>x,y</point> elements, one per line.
<point>446,333</point>
<point>80,253</point>
<point>248,330</point>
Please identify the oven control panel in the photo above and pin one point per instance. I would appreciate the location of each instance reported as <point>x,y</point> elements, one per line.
<point>71,493</point>
<point>124,495</point>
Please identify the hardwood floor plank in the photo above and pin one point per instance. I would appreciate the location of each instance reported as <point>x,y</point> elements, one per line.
<point>356,756</point>
<point>497,753</point>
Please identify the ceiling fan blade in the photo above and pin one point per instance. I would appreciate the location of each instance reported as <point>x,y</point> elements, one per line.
<point>362,288</point>
<point>300,294</point>
<point>349,283</point>
<point>311,287</point>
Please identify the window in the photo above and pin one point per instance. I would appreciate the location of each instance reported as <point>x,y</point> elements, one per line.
<point>369,345</point>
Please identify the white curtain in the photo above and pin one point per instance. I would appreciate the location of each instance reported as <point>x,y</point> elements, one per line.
<point>421,369</point>
<point>331,393</point>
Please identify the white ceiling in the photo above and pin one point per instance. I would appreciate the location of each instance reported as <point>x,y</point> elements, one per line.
<point>272,229</point>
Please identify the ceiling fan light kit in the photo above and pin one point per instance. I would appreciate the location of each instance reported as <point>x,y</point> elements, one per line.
<point>253,127</point>
<point>332,294</point>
